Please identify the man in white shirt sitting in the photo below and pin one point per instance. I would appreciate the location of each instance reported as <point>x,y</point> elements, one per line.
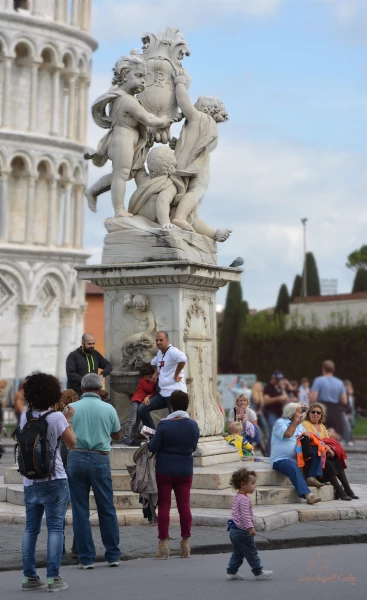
<point>169,373</point>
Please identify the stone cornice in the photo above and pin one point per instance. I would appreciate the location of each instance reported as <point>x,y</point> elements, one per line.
<point>173,273</point>
<point>63,28</point>
<point>9,135</point>
<point>31,252</point>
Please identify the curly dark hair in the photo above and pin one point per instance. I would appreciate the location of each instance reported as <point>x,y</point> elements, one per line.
<point>41,391</point>
<point>242,475</point>
<point>146,369</point>
<point>179,400</point>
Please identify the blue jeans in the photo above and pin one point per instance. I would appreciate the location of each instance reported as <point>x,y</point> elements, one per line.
<point>156,403</point>
<point>291,470</point>
<point>243,547</point>
<point>85,470</point>
<point>51,497</point>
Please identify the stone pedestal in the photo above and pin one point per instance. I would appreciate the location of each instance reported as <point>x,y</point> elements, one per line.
<point>174,296</point>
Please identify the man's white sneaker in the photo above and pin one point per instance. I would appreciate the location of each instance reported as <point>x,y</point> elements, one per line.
<point>234,576</point>
<point>264,575</point>
<point>85,567</point>
<point>350,444</point>
<point>116,563</point>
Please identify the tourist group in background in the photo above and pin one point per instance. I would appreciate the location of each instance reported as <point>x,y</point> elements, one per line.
<point>268,401</point>
<point>302,426</point>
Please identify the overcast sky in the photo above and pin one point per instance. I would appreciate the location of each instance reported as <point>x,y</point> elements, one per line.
<point>293,77</point>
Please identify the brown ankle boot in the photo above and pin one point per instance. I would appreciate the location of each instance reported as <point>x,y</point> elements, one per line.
<point>313,499</point>
<point>185,548</point>
<point>163,550</point>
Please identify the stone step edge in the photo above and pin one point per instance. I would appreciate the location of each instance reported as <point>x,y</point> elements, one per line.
<point>201,517</point>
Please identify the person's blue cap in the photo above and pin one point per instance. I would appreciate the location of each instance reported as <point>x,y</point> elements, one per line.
<point>278,375</point>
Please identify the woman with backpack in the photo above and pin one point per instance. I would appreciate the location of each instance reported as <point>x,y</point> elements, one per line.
<point>46,488</point>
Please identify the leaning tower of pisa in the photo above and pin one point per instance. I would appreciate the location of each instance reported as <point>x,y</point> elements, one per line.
<point>45,70</point>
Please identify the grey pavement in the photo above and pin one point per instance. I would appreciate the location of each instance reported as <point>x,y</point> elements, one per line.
<point>141,542</point>
<point>334,573</point>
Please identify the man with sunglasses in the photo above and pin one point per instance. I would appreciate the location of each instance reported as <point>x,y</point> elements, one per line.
<point>169,374</point>
<point>330,391</point>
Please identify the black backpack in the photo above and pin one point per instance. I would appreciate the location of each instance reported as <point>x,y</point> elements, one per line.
<point>36,457</point>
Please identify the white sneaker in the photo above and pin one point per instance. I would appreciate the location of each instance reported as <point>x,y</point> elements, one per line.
<point>350,444</point>
<point>264,575</point>
<point>116,563</point>
<point>231,576</point>
<point>85,567</point>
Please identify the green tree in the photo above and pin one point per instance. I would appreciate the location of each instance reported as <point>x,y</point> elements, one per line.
<point>358,258</point>
<point>233,312</point>
<point>239,337</point>
<point>282,305</point>
<point>297,287</point>
<point>312,276</point>
<point>360,281</point>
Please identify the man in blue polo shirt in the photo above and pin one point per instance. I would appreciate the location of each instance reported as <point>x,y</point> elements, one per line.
<point>94,422</point>
<point>330,391</point>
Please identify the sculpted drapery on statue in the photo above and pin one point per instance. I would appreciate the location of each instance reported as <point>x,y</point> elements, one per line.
<point>148,92</point>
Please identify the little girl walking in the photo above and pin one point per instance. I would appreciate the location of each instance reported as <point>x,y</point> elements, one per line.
<point>241,528</point>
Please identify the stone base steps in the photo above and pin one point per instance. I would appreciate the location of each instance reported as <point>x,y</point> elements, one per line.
<point>207,477</point>
<point>208,499</point>
<point>211,488</point>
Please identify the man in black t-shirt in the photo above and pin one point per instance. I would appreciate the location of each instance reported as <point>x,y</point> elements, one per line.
<point>274,399</point>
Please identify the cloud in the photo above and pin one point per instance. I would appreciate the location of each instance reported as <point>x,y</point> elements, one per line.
<point>261,189</point>
<point>113,19</point>
<point>350,17</point>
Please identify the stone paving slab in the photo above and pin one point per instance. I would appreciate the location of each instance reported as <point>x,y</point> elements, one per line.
<point>141,542</point>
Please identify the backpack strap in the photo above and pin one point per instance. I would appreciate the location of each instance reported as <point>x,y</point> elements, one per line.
<point>235,412</point>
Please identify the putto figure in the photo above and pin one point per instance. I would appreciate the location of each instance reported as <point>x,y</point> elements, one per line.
<point>126,139</point>
<point>198,138</point>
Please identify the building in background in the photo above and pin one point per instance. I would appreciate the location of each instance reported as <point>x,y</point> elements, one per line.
<point>94,315</point>
<point>45,70</point>
<point>327,311</point>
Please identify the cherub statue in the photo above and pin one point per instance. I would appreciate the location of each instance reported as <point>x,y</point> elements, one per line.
<point>138,345</point>
<point>127,122</point>
<point>198,138</point>
<point>138,306</point>
<point>155,192</point>
<point>156,196</point>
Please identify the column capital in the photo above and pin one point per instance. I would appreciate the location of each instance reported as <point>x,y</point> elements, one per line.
<point>66,315</point>
<point>82,309</point>
<point>26,312</point>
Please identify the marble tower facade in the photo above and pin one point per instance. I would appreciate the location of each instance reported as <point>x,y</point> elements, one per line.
<point>45,70</point>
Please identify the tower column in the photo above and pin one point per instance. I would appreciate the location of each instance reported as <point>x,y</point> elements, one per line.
<point>6,116</point>
<point>30,209</point>
<point>66,242</point>
<point>55,101</point>
<point>26,313</point>
<point>52,220</point>
<point>78,219</point>
<point>71,108</point>
<point>59,12</point>
<point>81,110</point>
<point>75,13</point>
<point>66,316</point>
<point>3,205</point>
<point>33,98</point>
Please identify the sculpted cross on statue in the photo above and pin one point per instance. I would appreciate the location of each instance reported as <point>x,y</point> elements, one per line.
<point>146,94</point>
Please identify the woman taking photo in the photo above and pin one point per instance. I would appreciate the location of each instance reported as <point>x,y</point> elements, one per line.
<point>174,441</point>
<point>335,455</point>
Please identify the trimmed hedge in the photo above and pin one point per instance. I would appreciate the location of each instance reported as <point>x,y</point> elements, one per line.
<point>300,353</point>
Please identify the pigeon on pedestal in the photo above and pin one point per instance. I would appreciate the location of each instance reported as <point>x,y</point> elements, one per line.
<point>238,262</point>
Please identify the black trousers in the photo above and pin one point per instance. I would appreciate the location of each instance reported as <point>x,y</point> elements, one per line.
<point>334,417</point>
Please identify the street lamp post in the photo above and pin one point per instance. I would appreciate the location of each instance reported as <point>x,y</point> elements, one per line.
<point>304,222</point>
